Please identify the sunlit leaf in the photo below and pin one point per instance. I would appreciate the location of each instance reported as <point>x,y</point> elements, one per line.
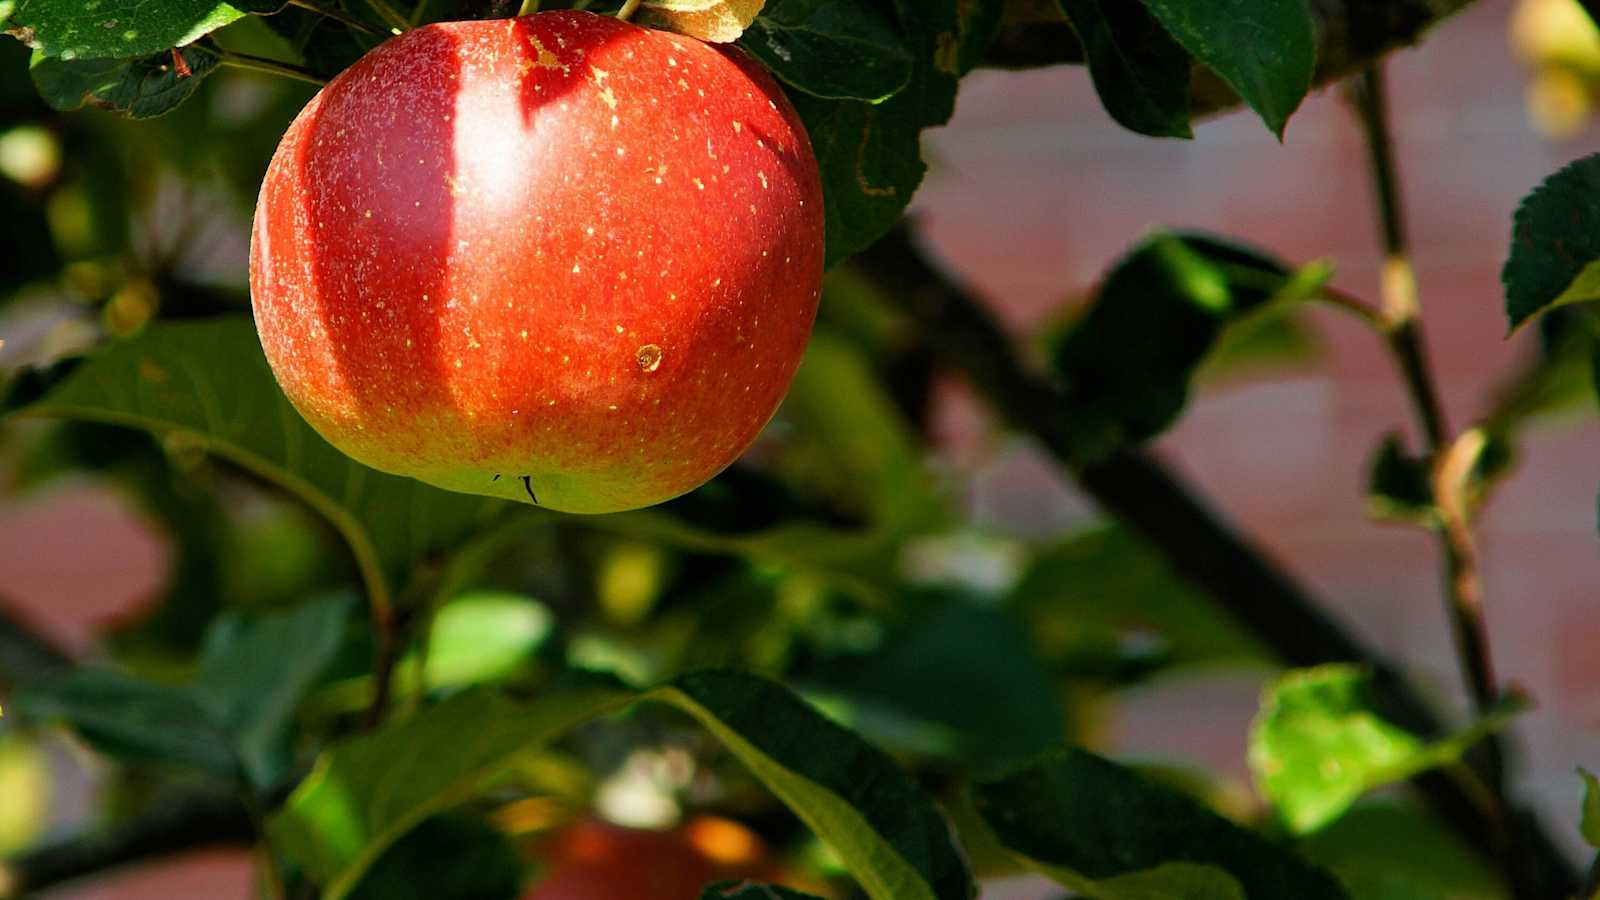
<point>97,29</point>
<point>718,21</point>
<point>1589,822</point>
<point>1321,740</point>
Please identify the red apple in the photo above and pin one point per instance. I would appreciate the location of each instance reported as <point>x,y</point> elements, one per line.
<point>595,860</point>
<point>559,258</point>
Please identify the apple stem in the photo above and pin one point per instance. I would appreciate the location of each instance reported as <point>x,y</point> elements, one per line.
<point>628,9</point>
<point>529,7</point>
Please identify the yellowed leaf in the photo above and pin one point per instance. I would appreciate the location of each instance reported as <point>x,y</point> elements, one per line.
<point>718,21</point>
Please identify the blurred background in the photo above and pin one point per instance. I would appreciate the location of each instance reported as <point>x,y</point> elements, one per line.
<point>1033,193</point>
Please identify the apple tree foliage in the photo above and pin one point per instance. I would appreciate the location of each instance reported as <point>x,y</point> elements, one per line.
<point>395,691</point>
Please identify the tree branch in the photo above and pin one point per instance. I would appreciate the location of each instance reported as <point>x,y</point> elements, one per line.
<point>1350,34</point>
<point>1199,545</point>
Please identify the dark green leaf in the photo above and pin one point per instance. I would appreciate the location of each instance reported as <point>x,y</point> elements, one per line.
<point>97,29</point>
<point>965,673</point>
<point>1364,849</point>
<point>1589,822</point>
<point>1128,362</point>
<point>1321,740</point>
<point>207,382</point>
<point>138,721</point>
<point>1103,830</point>
<point>141,88</point>
<point>1555,244</point>
<point>253,673</point>
<point>745,890</point>
<point>887,831</point>
<point>1140,72</point>
<point>1266,50</point>
<point>1398,485</point>
<point>231,721</point>
<point>365,793</point>
<point>444,858</point>
<point>870,154</point>
<point>838,49</point>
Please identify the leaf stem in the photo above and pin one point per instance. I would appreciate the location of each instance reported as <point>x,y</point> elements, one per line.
<point>270,66</point>
<point>390,15</point>
<point>338,15</point>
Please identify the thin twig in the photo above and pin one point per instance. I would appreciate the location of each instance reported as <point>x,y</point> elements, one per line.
<point>338,15</point>
<point>1403,328</point>
<point>270,66</point>
<point>1199,545</point>
<point>629,7</point>
<point>1451,464</point>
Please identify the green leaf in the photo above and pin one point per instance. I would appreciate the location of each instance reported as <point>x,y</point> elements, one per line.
<point>231,721</point>
<point>888,833</point>
<point>1104,589</point>
<point>1128,362</point>
<point>1589,823</point>
<point>97,29</point>
<point>143,87</point>
<point>1321,740</point>
<point>133,720</point>
<point>254,672</point>
<point>1435,864</point>
<point>1555,244</point>
<point>838,49</point>
<point>366,793</point>
<point>446,857</point>
<point>1103,830</point>
<point>870,154</point>
<point>967,672</point>
<point>1266,50</point>
<point>484,636</point>
<point>1139,71</point>
<point>206,383</point>
<point>744,890</point>
<point>1398,485</point>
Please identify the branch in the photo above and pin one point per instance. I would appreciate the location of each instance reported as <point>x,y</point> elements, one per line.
<point>184,823</point>
<point>1350,33</point>
<point>1199,545</point>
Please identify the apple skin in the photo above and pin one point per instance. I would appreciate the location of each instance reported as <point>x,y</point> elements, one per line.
<point>559,258</point>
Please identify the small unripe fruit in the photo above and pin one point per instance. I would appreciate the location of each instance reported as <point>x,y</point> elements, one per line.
<point>559,258</point>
